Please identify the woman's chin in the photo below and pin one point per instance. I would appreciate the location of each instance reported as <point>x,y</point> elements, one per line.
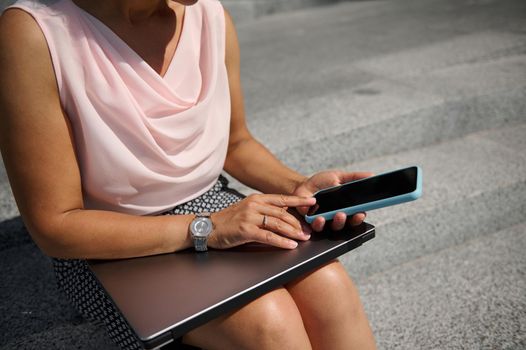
<point>187,2</point>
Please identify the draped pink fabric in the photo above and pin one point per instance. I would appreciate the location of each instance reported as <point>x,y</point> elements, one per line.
<point>144,142</point>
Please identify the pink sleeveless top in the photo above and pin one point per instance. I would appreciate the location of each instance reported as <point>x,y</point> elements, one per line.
<point>144,142</point>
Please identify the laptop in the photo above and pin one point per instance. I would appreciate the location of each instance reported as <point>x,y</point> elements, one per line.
<point>164,296</point>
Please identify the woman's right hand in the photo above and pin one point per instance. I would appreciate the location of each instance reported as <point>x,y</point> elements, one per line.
<point>244,222</point>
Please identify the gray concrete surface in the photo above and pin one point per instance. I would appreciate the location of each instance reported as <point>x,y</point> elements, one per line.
<point>248,10</point>
<point>470,296</point>
<point>372,85</point>
<point>372,66</point>
<point>473,186</point>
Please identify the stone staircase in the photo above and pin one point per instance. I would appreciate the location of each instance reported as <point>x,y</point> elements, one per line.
<point>373,85</point>
<point>382,85</point>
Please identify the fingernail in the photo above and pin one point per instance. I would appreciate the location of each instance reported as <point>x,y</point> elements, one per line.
<point>292,244</point>
<point>307,237</point>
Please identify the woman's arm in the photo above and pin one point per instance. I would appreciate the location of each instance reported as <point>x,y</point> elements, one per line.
<point>247,159</point>
<point>38,151</point>
<point>253,164</point>
<point>37,147</point>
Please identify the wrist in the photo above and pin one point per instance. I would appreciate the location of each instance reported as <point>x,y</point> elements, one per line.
<point>176,234</point>
<point>188,241</point>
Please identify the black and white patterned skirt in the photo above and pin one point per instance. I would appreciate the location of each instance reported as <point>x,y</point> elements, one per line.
<point>79,284</point>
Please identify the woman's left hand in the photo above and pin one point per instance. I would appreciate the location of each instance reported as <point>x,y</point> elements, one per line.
<point>323,180</point>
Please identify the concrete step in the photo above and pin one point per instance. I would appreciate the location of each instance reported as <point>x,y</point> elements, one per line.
<point>470,296</point>
<point>84,336</point>
<point>473,186</point>
<point>247,10</point>
<point>388,114</point>
<point>291,58</point>
<point>320,96</point>
<point>35,314</point>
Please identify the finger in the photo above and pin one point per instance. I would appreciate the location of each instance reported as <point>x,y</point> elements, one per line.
<point>348,177</point>
<point>305,227</point>
<point>282,214</point>
<point>280,200</point>
<point>318,224</point>
<point>284,229</point>
<point>338,222</point>
<point>357,219</point>
<point>272,239</point>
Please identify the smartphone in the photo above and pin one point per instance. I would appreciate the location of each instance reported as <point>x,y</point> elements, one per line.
<point>374,192</point>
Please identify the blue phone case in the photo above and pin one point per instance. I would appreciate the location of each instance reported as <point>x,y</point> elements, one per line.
<point>406,197</point>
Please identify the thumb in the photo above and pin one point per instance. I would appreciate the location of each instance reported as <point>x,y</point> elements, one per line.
<point>303,192</point>
<point>302,210</point>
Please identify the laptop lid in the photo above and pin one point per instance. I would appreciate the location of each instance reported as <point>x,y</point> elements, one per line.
<point>164,296</point>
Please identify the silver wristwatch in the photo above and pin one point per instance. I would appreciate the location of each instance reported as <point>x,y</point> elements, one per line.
<point>200,228</point>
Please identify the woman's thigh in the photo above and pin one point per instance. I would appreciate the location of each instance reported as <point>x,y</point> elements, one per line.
<point>324,290</point>
<point>272,321</point>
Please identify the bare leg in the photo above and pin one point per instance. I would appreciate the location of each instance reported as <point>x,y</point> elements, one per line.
<point>272,321</point>
<point>331,309</point>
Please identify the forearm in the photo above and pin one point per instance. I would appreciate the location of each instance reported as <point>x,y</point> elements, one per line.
<point>99,234</point>
<point>254,165</point>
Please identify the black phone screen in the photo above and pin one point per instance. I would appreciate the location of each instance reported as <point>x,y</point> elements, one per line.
<point>365,191</point>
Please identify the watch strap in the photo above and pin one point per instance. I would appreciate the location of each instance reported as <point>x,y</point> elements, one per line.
<point>200,244</point>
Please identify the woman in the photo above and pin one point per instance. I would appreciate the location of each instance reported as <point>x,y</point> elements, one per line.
<point>116,110</point>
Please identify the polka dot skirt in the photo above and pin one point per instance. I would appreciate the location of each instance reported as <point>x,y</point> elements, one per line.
<point>81,287</point>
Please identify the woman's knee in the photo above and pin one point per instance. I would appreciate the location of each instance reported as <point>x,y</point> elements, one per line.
<point>277,322</point>
<point>272,321</point>
<point>327,294</point>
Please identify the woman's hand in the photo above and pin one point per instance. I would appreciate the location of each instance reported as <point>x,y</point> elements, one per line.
<point>259,218</point>
<point>323,180</point>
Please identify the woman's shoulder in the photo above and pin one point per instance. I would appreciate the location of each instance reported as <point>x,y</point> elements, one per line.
<point>24,54</point>
<point>17,26</point>
<point>24,20</point>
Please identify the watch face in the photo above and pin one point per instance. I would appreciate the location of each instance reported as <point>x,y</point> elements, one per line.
<point>201,227</point>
